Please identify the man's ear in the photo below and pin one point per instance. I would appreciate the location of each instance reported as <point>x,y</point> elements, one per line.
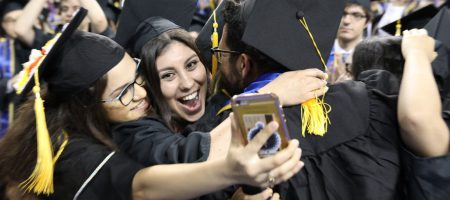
<point>246,65</point>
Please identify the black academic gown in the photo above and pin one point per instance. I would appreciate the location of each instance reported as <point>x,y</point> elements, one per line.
<point>92,171</point>
<point>149,142</point>
<point>360,157</point>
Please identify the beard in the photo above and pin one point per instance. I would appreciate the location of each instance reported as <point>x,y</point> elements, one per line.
<point>232,82</point>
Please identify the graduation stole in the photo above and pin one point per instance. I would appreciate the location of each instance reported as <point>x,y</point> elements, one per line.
<point>260,82</point>
<point>7,67</point>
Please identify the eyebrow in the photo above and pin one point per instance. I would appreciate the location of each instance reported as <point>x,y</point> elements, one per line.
<point>190,58</point>
<point>119,88</point>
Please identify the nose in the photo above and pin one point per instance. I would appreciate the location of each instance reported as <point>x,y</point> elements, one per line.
<point>186,81</point>
<point>139,92</point>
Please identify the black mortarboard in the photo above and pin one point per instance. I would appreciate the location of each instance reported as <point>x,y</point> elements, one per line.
<point>363,3</point>
<point>77,59</point>
<point>147,30</point>
<point>204,38</point>
<point>417,19</point>
<point>134,12</point>
<point>8,6</point>
<point>274,28</point>
<point>439,29</point>
<point>439,26</point>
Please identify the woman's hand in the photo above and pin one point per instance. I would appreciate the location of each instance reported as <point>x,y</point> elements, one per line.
<point>296,87</point>
<point>246,167</point>
<point>416,42</point>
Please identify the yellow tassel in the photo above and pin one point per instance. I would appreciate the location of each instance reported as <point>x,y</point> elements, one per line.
<point>41,180</point>
<point>215,43</point>
<point>315,117</point>
<point>398,28</point>
<point>315,111</point>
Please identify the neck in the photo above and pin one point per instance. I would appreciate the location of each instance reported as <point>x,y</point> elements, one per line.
<point>350,44</point>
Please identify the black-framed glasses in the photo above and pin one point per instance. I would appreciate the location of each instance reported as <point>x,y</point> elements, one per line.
<point>218,53</point>
<point>354,15</point>
<point>126,95</point>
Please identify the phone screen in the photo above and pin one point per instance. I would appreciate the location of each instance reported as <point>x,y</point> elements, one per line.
<point>254,112</point>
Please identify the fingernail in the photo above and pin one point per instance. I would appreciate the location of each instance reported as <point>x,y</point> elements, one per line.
<point>301,164</point>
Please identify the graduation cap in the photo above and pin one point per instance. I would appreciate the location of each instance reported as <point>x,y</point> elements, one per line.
<point>209,38</point>
<point>439,26</point>
<point>298,34</point>
<point>417,19</point>
<point>134,12</point>
<point>439,29</point>
<point>69,63</point>
<point>9,6</point>
<point>363,3</point>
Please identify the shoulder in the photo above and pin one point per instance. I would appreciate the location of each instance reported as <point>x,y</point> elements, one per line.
<point>88,168</point>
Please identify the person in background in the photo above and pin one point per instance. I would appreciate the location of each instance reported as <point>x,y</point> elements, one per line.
<point>355,20</point>
<point>95,22</point>
<point>13,53</point>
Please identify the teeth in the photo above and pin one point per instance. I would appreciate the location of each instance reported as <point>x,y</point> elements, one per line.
<point>190,97</point>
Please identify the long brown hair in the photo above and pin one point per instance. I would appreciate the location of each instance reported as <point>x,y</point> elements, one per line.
<point>79,115</point>
<point>149,53</point>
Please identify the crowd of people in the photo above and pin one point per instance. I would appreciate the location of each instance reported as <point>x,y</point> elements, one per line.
<point>130,99</point>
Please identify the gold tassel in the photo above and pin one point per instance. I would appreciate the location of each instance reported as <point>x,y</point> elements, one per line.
<point>315,116</point>
<point>215,43</point>
<point>398,28</point>
<point>41,180</point>
<point>315,111</point>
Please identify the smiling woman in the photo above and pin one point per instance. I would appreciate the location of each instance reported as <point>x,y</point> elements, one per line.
<point>132,95</point>
<point>177,78</point>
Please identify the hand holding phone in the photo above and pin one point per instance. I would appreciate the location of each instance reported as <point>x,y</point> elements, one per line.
<point>253,112</point>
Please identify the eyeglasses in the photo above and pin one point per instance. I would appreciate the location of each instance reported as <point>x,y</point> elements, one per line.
<point>126,95</point>
<point>354,16</point>
<point>218,53</point>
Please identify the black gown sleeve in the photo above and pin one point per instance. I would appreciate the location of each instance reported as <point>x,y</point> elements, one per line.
<point>149,142</point>
<point>426,178</point>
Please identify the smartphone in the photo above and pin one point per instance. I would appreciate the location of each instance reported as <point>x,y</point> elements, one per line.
<point>253,112</point>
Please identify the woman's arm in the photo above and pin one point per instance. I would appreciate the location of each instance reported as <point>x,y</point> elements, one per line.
<point>419,107</point>
<point>96,16</point>
<point>242,165</point>
<point>25,23</point>
<point>296,87</point>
